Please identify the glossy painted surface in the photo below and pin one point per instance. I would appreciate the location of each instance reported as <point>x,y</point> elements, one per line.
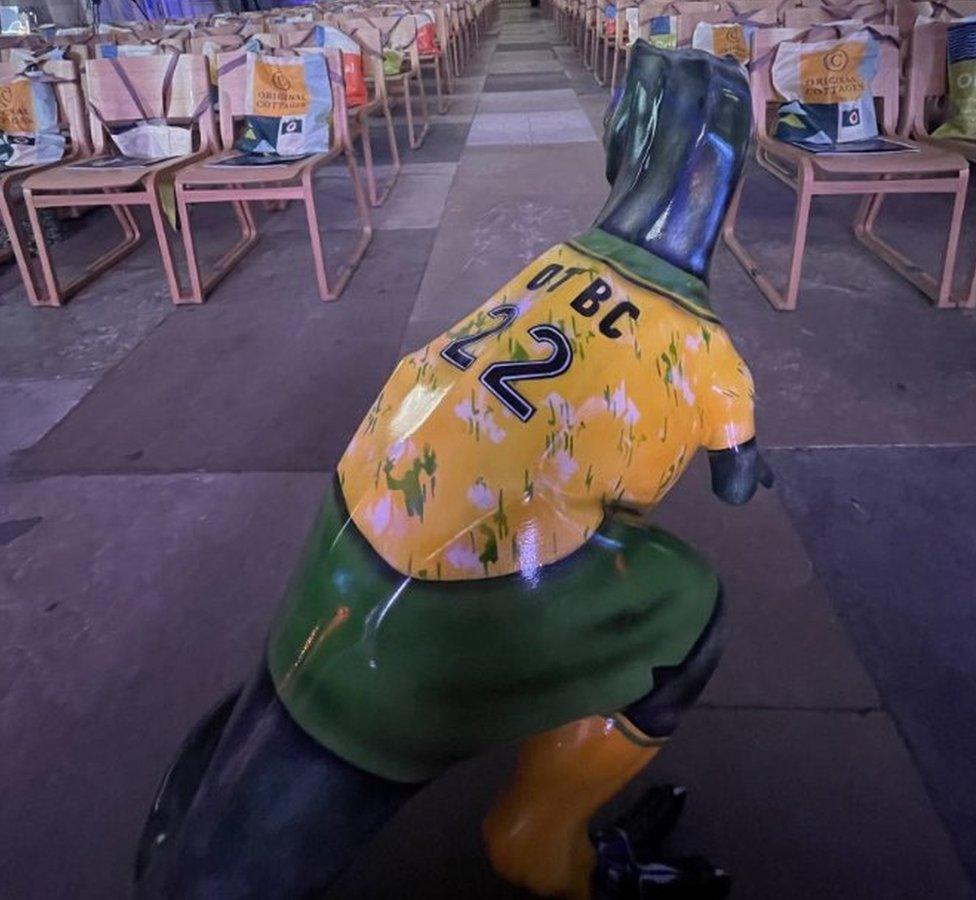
<point>676,142</point>
<point>404,677</point>
<point>473,579</point>
<point>495,448</point>
<point>478,573</point>
<point>536,834</point>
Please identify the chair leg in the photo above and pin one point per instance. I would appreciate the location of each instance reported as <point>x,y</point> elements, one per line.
<point>415,142</point>
<point>326,292</point>
<point>364,136</point>
<point>18,244</point>
<point>445,61</point>
<point>801,218</point>
<point>377,197</point>
<point>166,251</point>
<point>53,293</point>
<point>938,291</point>
<point>199,287</point>
<point>442,104</point>
<point>613,73</point>
<point>315,238</point>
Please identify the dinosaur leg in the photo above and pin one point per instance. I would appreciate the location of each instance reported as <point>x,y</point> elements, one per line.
<point>536,834</point>
<point>275,815</point>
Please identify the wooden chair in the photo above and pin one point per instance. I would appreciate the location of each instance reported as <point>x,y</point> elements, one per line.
<point>925,105</point>
<point>172,88</point>
<point>759,15</point>
<point>375,34</point>
<point>206,183</point>
<point>360,116</point>
<point>437,61</point>
<point>64,77</point>
<point>927,170</point>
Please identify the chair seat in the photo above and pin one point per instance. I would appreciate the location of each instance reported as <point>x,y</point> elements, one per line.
<point>204,173</point>
<point>926,160</point>
<point>67,178</point>
<point>963,147</point>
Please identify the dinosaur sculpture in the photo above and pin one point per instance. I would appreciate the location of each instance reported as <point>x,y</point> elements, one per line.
<point>482,570</point>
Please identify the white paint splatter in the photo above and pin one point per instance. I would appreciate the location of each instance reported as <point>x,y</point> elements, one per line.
<point>481,495</point>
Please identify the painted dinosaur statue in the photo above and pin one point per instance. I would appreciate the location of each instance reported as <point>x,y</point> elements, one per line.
<point>482,569</point>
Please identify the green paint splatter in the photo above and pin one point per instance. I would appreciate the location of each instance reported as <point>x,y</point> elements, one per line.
<point>489,555</point>
<point>414,492</point>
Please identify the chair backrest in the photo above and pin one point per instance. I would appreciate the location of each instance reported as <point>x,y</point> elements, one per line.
<point>173,88</point>
<point>757,14</point>
<point>67,89</point>
<point>907,11</point>
<point>868,11</point>
<point>884,86</point>
<point>397,32</point>
<point>927,78</point>
<point>226,42</point>
<point>375,34</point>
<point>232,93</point>
<point>220,27</point>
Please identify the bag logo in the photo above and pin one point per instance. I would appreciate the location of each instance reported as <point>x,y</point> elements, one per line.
<point>280,80</point>
<point>835,61</point>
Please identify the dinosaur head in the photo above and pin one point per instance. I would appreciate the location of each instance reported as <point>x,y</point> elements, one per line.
<point>676,139</point>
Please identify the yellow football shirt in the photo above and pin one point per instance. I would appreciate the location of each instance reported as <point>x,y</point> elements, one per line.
<point>583,381</point>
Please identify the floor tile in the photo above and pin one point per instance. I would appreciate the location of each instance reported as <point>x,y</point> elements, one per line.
<point>444,143</point>
<point>770,591</point>
<point>523,45</point>
<point>505,209</point>
<point>528,101</point>
<point>516,64</point>
<point>159,603</point>
<point>808,805</point>
<point>499,129</point>
<point>565,127</point>
<point>892,533</point>
<point>192,396</point>
<point>30,407</point>
<point>523,54</point>
<point>546,81</point>
<point>95,329</point>
<point>416,201</point>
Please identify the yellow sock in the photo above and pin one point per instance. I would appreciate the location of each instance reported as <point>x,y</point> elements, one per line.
<point>536,834</point>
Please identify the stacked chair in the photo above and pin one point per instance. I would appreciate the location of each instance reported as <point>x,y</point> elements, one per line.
<point>191,74</point>
<point>910,92</point>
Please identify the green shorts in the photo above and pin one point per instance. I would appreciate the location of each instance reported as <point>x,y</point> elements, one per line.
<point>403,677</point>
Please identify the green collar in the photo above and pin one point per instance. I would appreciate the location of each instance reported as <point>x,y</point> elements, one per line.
<point>647,270</point>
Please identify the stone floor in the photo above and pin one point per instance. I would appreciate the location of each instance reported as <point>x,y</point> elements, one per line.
<point>160,467</point>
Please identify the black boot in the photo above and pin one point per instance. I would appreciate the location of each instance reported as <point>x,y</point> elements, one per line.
<point>629,863</point>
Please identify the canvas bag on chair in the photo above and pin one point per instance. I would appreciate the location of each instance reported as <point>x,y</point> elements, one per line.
<point>827,86</point>
<point>352,61</point>
<point>396,42</point>
<point>29,132</point>
<point>726,39</point>
<point>961,41</point>
<point>427,34</point>
<point>663,32</point>
<point>287,105</point>
<point>150,138</point>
